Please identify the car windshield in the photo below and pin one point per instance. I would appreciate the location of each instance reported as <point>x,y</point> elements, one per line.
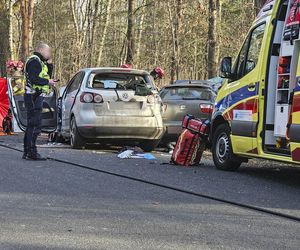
<point>119,81</point>
<point>186,93</point>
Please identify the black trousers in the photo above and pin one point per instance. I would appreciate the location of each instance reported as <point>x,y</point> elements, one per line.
<point>34,107</point>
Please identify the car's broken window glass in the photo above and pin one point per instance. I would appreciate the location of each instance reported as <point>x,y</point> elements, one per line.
<point>118,81</point>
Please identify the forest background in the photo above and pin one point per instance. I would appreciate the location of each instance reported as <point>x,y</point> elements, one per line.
<point>186,38</point>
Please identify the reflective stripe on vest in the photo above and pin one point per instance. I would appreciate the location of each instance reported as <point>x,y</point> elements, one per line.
<point>43,74</point>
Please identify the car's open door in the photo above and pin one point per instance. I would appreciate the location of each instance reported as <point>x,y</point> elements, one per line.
<point>17,105</point>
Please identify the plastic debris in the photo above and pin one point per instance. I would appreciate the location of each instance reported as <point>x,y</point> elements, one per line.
<point>126,154</point>
<point>132,154</point>
<point>147,156</point>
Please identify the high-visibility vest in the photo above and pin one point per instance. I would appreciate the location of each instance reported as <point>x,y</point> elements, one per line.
<point>18,89</point>
<point>43,74</point>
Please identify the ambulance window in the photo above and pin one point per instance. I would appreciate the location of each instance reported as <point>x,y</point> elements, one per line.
<point>254,48</point>
<point>249,55</point>
<point>242,59</point>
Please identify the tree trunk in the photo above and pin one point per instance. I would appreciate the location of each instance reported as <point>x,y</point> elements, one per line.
<point>55,35</point>
<point>76,41</point>
<point>212,50</point>
<point>103,38</point>
<point>177,35</point>
<point>173,56</point>
<point>139,40</point>
<point>130,33</point>
<point>26,9</point>
<point>95,15</point>
<point>10,30</point>
<point>4,43</point>
<point>175,24</point>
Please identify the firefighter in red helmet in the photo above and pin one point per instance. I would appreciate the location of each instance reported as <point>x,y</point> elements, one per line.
<point>157,73</point>
<point>126,66</point>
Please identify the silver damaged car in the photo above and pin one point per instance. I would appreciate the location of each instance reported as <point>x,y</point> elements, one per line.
<point>104,105</point>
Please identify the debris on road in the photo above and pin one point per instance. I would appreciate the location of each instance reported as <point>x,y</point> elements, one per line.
<point>135,153</point>
<point>126,154</point>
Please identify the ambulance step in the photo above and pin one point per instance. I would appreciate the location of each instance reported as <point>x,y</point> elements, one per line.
<point>281,151</point>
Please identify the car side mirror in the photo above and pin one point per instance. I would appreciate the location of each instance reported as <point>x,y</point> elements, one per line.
<point>250,66</point>
<point>225,68</point>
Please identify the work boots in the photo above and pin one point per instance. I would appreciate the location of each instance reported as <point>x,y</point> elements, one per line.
<point>34,156</point>
<point>24,157</point>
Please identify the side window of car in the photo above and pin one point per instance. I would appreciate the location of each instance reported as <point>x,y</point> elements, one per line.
<point>75,82</point>
<point>249,55</point>
<point>69,87</point>
<point>163,93</point>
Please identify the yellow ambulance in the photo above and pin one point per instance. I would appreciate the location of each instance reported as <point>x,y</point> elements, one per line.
<point>257,110</point>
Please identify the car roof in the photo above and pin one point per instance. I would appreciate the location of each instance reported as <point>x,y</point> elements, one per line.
<point>115,70</point>
<point>189,83</point>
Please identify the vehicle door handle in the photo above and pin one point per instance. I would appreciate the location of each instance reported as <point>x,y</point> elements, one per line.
<point>251,86</point>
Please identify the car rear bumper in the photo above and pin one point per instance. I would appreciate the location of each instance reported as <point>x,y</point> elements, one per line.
<point>116,127</point>
<point>173,130</point>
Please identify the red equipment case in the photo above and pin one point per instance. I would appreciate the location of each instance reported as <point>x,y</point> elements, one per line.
<point>4,104</point>
<point>192,142</point>
<point>189,149</point>
<point>196,125</point>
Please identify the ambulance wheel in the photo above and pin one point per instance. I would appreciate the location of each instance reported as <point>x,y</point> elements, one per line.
<point>223,156</point>
<point>76,140</point>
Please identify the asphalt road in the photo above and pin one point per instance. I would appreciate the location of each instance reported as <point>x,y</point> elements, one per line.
<point>52,205</point>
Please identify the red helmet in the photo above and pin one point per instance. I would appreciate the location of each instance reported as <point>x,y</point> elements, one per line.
<point>20,64</point>
<point>160,72</point>
<point>10,63</point>
<point>126,66</point>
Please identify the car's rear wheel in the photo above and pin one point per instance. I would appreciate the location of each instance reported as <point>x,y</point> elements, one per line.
<point>149,145</point>
<point>76,140</point>
<point>223,156</point>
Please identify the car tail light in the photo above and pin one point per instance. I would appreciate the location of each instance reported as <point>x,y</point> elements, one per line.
<point>98,98</point>
<point>206,108</point>
<point>87,97</point>
<point>151,99</point>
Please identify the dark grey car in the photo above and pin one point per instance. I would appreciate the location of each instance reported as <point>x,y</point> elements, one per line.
<point>185,97</point>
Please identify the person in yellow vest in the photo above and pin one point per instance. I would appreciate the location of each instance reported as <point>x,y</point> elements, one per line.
<point>38,71</point>
<point>18,86</point>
